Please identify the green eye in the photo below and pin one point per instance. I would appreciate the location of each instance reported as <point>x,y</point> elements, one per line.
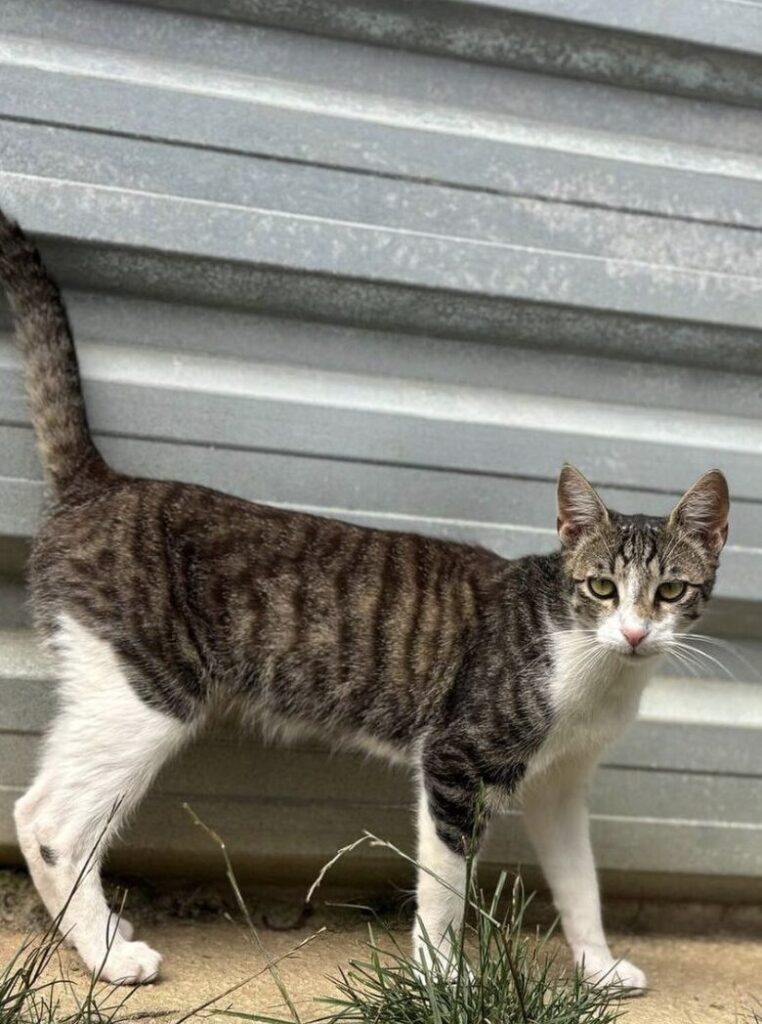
<point>671,590</point>
<point>601,587</point>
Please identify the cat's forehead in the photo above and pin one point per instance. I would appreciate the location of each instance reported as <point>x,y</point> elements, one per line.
<point>624,543</point>
<point>637,542</point>
<point>632,546</point>
<point>642,546</point>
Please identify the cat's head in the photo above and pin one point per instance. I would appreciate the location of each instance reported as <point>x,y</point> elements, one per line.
<point>638,581</point>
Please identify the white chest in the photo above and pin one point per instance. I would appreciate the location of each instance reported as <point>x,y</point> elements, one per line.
<point>594,699</point>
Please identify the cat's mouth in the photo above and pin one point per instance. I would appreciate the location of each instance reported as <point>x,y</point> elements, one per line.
<point>632,654</point>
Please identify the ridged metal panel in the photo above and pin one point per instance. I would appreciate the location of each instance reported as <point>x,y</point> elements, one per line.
<point>395,262</point>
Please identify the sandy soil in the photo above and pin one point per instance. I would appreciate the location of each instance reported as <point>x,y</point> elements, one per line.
<point>704,963</point>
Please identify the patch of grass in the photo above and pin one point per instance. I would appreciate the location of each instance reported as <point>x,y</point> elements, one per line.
<point>496,974</point>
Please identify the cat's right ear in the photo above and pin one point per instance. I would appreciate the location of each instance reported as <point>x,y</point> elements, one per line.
<point>579,507</point>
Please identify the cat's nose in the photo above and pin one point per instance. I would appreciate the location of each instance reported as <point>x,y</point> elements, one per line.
<point>634,635</point>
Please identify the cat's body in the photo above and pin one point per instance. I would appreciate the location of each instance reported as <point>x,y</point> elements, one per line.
<point>165,603</point>
<point>349,630</point>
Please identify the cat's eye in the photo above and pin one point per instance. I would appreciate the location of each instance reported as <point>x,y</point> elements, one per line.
<point>602,588</point>
<point>671,590</point>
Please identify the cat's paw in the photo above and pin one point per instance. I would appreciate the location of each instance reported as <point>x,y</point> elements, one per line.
<point>129,963</point>
<point>608,972</point>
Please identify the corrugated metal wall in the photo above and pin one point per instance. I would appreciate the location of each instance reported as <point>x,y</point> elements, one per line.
<point>395,262</point>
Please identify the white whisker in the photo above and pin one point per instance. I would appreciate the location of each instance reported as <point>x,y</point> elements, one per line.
<point>703,654</point>
<point>682,662</point>
<point>730,648</point>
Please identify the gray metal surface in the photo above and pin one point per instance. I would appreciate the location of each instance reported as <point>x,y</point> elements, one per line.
<point>396,262</point>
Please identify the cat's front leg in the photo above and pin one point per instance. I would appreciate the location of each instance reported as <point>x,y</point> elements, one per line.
<point>450,825</point>
<point>556,816</point>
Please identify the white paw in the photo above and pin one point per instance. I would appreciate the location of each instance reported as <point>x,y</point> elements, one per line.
<point>606,971</point>
<point>129,963</point>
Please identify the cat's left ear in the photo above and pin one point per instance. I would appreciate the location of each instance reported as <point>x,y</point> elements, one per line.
<point>703,510</point>
<point>579,507</point>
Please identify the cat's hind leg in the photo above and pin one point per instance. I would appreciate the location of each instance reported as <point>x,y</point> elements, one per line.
<point>103,751</point>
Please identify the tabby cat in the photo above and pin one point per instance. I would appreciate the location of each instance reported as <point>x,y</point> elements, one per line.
<point>164,603</point>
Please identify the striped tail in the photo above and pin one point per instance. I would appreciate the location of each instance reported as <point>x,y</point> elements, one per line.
<point>70,459</point>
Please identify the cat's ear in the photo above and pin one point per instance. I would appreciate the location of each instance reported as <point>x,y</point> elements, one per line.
<point>703,510</point>
<point>579,507</point>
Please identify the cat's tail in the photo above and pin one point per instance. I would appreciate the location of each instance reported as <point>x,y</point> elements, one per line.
<point>71,461</point>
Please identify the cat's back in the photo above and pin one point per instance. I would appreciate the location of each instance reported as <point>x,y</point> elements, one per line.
<point>134,523</point>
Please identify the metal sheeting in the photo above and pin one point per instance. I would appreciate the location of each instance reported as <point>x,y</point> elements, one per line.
<point>396,262</point>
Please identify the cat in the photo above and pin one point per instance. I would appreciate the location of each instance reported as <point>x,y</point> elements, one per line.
<point>163,603</point>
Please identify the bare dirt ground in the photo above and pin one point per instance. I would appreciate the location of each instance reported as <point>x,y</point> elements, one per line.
<point>704,963</point>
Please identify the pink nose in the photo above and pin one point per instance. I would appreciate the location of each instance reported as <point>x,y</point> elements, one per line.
<point>634,635</point>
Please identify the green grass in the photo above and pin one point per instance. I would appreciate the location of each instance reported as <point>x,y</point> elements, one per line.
<point>497,974</point>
